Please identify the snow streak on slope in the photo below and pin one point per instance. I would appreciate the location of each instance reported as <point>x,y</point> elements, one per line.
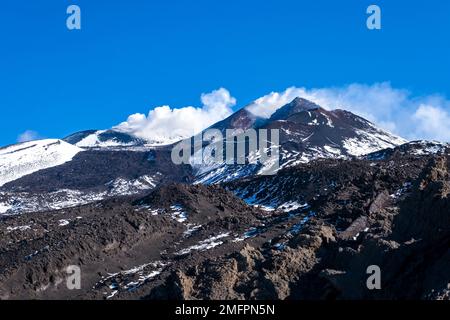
<point>371,141</point>
<point>12,203</point>
<point>113,140</point>
<point>4,207</point>
<point>25,158</point>
<point>107,139</point>
<point>93,141</point>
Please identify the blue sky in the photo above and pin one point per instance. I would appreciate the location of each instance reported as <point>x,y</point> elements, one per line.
<point>133,55</point>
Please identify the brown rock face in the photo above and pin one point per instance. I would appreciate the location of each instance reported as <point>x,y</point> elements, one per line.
<point>330,221</point>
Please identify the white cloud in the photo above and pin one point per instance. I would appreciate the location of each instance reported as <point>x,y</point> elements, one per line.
<point>431,121</point>
<point>165,125</point>
<point>395,110</point>
<point>28,135</point>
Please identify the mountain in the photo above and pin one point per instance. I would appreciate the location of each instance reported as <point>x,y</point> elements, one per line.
<point>91,175</point>
<point>98,164</point>
<point>297,105</point>
<point>104,139</point>
<point>355,214</point>
<point>308,232</point>
<point>22,159</point>
<point>347,195</point>
<point>307,132</point>
<point>412,148</point>
<point>310,129</point>
<point>238,122</point>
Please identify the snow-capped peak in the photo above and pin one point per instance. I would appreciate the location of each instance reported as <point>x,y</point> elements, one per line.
<point>308,132</point>
<point>22,159</point>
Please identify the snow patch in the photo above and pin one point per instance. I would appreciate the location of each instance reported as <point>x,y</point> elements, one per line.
<point>93,141</point>
<point>4,207</point>
<point>178,214</point>
<point>332,150</point>
<point>63,222</point>
<point>191,229</point>
<point>121,186</point>
<point>291,206</point>
<point>19,228</point>
<point>131,279</point>
<point>204,245</point>
<point>368,142</point>
<point>25,158</point>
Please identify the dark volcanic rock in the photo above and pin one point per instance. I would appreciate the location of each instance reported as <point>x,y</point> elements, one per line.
<point>311,232</point>
<point>93,169</point>
<point>106,136</point>
<point>298,105</point>
<point>386,221</point>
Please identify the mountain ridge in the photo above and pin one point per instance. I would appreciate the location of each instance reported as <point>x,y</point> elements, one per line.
<point>144,228</point>
<point>114,163</point>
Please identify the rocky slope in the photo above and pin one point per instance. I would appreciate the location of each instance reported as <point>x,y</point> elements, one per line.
<point>115,242</point>
<point>22,159</point>
<point>100,139</point>
<point>310,232</point>
<point>97,164</point>
<point>141,227</point>
<point>91,175</point>
<point>383,214</point>
<point>306,132</point>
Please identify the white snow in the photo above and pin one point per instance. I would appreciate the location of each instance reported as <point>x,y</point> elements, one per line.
<point>206,244</point>
<point>368,142</point>
<point>428,147</point>
<point>112,294</point>
<point>400,192</point>
<point>333,150</point>
<point>20,228</point>
<point>178,214</point>
<point>329,122</point>
<point>291,206</point>
<point>93,141</point>
<point>265,207</point>
<point>191,228</point>
<point>122,186</point>
<point>22,202</point>
<point>31,255</point>
<point>64,198</point>
<point>63,222</point>
<point>4,207</point>
<point>138,276</point>
<point>365,141</point>
<point>314,123</point>
<point>25,158</point>
<point>89,141</point>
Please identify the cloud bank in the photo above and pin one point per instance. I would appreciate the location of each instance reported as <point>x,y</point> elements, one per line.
<point>165,125</point>
<point>395,110</point>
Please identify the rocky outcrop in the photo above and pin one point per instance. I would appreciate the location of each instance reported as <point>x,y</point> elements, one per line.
<point>398,225</point>
<point>310,232</point>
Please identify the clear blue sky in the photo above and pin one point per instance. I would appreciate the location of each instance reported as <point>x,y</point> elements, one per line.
<point>131,55</point>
